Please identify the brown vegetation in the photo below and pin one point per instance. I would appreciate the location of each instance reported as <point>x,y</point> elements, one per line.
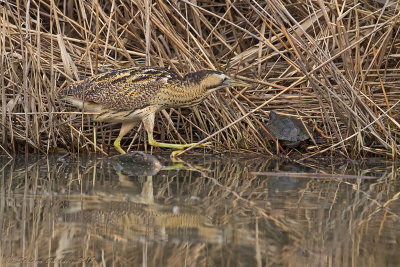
<point>331,62</point>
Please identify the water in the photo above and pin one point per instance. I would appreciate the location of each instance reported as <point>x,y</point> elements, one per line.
<point>206,211</point>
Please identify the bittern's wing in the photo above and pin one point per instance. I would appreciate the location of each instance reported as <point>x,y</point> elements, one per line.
<point>122,89</point>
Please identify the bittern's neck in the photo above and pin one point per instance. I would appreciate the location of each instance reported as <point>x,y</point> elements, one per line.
<point>192,93</point>
<point>184,93</point>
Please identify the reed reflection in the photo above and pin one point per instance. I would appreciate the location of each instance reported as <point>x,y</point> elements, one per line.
<point>251,211</point>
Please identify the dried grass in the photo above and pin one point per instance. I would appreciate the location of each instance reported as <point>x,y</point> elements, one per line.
<point>329,62</point>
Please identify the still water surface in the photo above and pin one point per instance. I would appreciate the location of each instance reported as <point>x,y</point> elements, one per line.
<point>207,211</point>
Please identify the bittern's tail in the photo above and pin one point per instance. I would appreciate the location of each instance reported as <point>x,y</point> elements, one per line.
<point>73,90</point>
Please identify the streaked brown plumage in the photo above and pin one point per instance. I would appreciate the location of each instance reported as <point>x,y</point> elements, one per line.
<point>134,94</point>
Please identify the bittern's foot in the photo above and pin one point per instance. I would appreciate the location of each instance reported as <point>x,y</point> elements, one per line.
<point>174,153</point>
<point>153,142</point>
<point>117,145</point>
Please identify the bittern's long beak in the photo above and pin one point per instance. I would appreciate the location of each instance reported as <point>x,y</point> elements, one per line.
<point>240,83</point>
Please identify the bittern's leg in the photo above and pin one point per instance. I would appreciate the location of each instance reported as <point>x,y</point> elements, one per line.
<point>125,128</point>
<point>148,123</point>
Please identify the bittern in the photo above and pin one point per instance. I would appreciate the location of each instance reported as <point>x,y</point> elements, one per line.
<point>133,94</point>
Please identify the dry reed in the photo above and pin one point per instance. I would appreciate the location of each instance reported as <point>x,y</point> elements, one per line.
<point>331,62</point>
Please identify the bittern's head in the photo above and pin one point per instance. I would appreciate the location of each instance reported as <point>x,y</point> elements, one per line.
<point>211,81</point>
